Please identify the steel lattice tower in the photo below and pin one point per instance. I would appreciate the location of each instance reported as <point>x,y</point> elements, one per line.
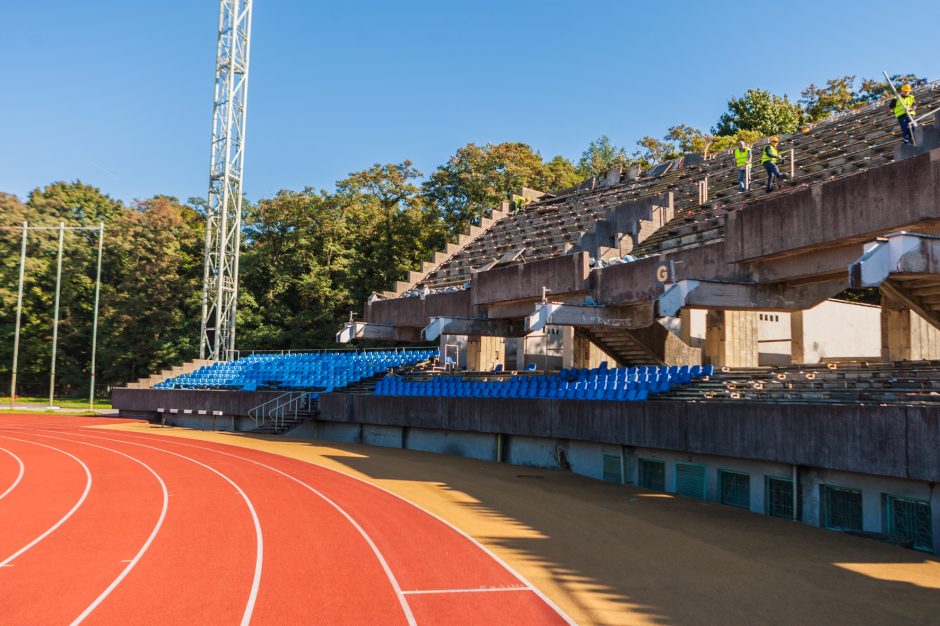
<point>223,226</point>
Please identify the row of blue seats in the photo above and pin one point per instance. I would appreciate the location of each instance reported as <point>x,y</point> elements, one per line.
<point>602,383</point>
<point>325,370</point>
<point>498,390</point>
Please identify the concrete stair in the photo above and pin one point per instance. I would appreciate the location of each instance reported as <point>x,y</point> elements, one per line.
<point>653,345</point>
<point>188,367</point>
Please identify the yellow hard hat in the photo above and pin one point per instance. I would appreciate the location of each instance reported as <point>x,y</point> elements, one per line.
<point>774,139</point>
<point>906,88</point>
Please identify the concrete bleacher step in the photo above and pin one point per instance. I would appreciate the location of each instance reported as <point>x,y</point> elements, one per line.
<point>188,367</point>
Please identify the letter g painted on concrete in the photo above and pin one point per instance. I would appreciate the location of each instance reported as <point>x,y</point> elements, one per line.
<point>662,273</point>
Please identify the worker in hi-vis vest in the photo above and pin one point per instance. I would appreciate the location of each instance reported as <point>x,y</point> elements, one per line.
<point>742,161</point>
<point>904,111</point>
<point>768,159</point>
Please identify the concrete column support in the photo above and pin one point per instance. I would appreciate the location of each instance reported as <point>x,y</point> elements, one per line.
<point>797,352</point>
<point>906,336</point>
<point>731,338</point>
<point>567,347</point>
<point>484,353</point>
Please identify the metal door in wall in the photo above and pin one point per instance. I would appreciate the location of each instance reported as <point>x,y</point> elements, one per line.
<point>690,480</point>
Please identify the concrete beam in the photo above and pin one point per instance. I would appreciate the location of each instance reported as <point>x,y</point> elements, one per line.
<point>472,327</point>
<point>858,207</point>
<point>555,314</point>
<point>896,253</point>
<point>521,281</point>
<point>697,294</point>
<point>377,332</point>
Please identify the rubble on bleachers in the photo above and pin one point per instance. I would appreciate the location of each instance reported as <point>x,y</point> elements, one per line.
<point>842,145</point>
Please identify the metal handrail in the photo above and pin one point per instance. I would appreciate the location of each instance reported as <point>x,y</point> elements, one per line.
<point>287,402</point>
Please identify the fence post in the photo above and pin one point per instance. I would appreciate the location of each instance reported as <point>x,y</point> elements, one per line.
<point>94,325</point>
<point>19,313</point>
<point>55,322</point>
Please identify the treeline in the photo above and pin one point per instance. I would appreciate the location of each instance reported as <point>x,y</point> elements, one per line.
<point>309,257</point>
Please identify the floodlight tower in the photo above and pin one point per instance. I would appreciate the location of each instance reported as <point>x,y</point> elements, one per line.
<point>224,219</point>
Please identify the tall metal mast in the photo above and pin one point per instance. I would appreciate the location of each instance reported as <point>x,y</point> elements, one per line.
<point>223,227</point>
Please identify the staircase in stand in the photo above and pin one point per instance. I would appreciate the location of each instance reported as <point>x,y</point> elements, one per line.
<point>653,345</point>
<point>280,414</point>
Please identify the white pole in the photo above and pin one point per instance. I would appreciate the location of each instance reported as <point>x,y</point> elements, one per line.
<point>94,325</point>
<point>792,162</point>
<point>19,314</point>
<point>55,323</point>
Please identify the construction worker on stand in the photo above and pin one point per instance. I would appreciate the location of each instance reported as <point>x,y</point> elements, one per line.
<point>768,159</point>
<point>742,161</point>
<point>904,111</point>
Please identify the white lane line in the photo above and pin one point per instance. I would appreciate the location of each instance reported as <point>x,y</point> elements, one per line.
<point>480,590</point>
<point>406,608</point>
<point>259,539</point>
<point>479,545</point>
<point>65,517</point>
<point>19,476</point>
<point>131,563</point>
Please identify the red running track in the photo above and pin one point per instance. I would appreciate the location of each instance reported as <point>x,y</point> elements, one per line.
<point>102,526</point>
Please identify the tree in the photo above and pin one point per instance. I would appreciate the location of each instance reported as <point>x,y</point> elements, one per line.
<point>761,111</point>
<point>874,89</point>
<point>477,179</point>
<point>655,151</point>
<point>392,228</point>
<point>295,291</point>
<point>560,173</point>
<point>838,95</point>
<point>602,155</point>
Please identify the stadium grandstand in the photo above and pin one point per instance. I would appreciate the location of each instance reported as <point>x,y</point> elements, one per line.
<point>658,328</point>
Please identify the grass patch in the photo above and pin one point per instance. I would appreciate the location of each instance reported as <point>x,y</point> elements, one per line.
<point>64,403</point>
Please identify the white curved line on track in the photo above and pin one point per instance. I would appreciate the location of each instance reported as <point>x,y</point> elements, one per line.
<point>406,608</point>
<point>479,545</point>
<point>19,476</point>
<point>146,545</point>
<point>65,517</point>
<point>259,539</point>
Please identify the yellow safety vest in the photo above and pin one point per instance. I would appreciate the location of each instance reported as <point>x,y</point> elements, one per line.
<point>770,154</point>
<point>742,157</point>
<point>904,101</point>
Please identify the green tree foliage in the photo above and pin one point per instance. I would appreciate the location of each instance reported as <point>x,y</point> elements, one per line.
<point>151,277</point>
<point>874,89</point>
<point>760,111</point>
<point>477,179</point>
<point>838,95</point>
<point>601,156</point>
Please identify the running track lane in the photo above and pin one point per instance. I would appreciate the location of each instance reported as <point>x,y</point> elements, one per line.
<point>445,576</point>
<point>191,569</point>
<point>24,515</point>
<point>58,577</point>
<point>12,469</point>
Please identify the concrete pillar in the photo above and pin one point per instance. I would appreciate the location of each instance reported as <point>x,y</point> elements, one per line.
<point>587,355</point>
<point>906,336</point>
<point>685,325</point>
<point>567,347</point>
<point>485,353</point>
<point>797,352</point>
<point>731,339</point>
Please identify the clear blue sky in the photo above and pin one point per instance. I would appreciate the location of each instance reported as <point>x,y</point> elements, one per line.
<point>118,93</point>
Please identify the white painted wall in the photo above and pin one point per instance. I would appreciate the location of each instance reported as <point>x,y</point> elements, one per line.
<point>836,329</point>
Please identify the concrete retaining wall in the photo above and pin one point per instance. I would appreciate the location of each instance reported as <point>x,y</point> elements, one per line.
<point>902,442</point>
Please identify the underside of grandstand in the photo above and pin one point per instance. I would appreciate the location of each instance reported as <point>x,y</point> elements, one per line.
<point>623,329</point>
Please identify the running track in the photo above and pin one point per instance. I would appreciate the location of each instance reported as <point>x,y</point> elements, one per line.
<point>104,526</point>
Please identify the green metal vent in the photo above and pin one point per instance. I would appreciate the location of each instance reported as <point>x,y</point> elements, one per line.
<point>735,488</point>
<point>653,475</point>
<point>841,508</point>
<point>690,480</point>
<point>779,497</point>
<point>612,472</point>
<point>909,520</point>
